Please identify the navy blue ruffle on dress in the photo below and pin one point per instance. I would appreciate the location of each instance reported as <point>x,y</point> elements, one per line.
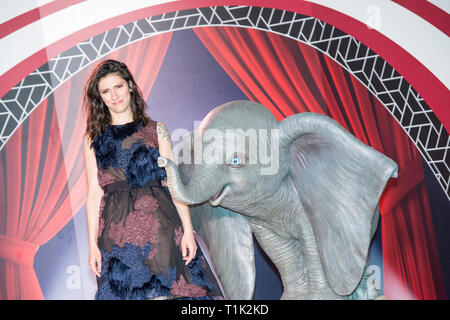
<point>139,228</point>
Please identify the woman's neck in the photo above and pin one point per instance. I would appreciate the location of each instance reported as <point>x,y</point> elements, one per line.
<point>121,120</point>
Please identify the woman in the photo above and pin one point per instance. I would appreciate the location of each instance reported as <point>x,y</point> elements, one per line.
<point>141,241</point>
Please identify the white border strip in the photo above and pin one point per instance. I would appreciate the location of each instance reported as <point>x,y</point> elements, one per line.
<point>42,33</point>
<point>12,9</point>
<point>444,5</point>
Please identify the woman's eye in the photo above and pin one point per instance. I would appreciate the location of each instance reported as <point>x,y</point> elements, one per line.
<point>235,162</point>
<point>120,86</point>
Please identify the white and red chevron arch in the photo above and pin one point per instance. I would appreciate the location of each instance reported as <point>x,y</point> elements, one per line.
<point>384,44</point>
<point>417,28</point>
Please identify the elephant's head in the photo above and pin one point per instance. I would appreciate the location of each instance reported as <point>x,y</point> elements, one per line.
<point>232,159</point>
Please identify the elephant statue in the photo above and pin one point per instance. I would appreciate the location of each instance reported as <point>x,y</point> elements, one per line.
<point>306,188</point>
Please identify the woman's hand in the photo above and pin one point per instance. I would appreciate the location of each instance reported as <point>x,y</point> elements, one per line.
<point>188,245</point>
<point>95,260</point>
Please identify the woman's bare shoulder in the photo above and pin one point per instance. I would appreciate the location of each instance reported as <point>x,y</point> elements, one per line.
<point>88,150</point>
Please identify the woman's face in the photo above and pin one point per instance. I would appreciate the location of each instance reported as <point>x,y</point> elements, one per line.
<point>115,92</point>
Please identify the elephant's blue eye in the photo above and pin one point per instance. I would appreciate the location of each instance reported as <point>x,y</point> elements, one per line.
<point>235,162</point>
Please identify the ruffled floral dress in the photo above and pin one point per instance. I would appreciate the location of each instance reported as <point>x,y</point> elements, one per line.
<point>139,229</point>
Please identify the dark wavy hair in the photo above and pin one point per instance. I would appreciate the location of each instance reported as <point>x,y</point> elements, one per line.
<point>98,115</point>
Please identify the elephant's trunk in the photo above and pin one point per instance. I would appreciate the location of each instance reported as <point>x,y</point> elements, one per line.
<point>200,188</point>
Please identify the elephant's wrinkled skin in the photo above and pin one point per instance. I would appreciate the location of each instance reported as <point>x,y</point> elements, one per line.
<point>314,215</point>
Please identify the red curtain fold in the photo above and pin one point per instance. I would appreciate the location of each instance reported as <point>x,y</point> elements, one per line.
<point>42,169</point>
<point>289,77</point>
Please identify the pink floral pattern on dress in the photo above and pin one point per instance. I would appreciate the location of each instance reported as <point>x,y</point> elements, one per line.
<point>138,229</point>
<point>148,134</point>
<point>147,203</point>
<point>178,236</point>
<point>102,205</point>
<point>152,253</point>
<point>101,226</point>
<point>184,289</point>
<point>204,263</point>
<point>101,223</point>
<point>104,178</point>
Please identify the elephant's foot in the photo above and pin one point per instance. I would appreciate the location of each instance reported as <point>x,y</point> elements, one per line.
<point>324,295</point>
<point>318,294</point>
<point>365,293</point>
<point>293,295</point>
<point>366,290</point>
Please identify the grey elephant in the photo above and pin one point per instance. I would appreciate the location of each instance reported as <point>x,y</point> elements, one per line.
<point>310,198</point>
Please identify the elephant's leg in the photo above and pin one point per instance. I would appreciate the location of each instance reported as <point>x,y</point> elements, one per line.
<point>287,257</point>
<point>367,289</point>
<point>318,287</point>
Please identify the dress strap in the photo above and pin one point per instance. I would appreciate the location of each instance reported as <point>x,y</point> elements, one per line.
<point>123,185</point>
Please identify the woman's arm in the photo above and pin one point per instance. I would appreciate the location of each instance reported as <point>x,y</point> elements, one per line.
<point>94,196</point>
<point>188,241</point>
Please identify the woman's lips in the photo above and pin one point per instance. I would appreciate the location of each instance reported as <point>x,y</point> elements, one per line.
<point>117,102</point>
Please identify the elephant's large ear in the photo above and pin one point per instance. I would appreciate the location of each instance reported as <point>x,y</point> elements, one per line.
<point>339,181</point>
<point>230,243</point>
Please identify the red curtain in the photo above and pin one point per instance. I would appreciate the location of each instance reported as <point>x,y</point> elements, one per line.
<point>289,77</point>
<point>42,170</point>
